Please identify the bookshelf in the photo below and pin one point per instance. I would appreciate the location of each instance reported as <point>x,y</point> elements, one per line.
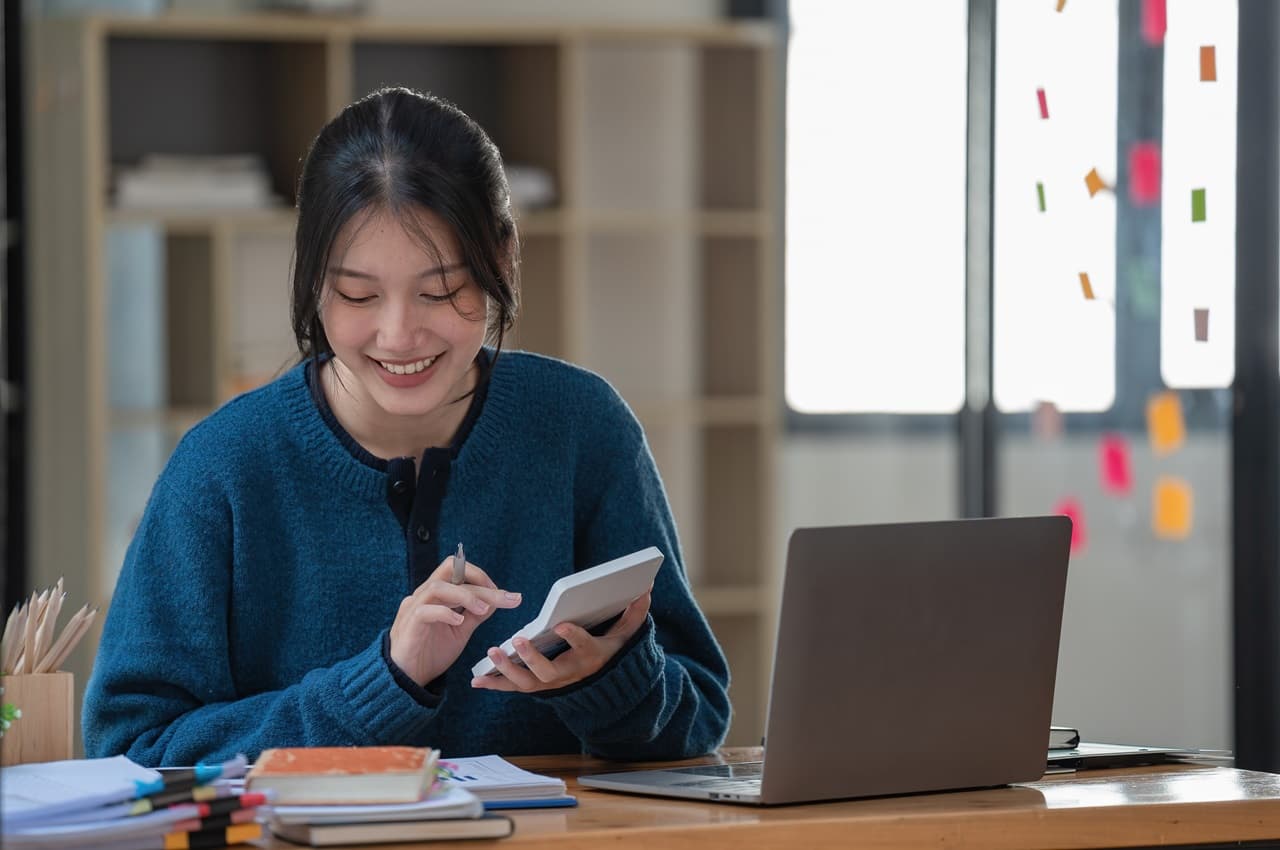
<point>656,266</point>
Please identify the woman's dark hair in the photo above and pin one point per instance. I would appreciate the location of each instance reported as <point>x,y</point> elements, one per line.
<point>402,151</point>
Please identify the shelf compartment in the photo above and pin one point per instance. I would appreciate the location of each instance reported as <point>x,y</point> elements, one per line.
<point>216,97</point>
<point>735,541</point>
<point>261,345</point>
<point>190,310</point>
<point>510,90</point>
<point>740,638</point>
<point>677,451</point>
<point>540,325</point>
<point>160,338</point>
<point>731,128</point>
<point>732,349</point>
<point>638,121</point>
<point>647,279</point>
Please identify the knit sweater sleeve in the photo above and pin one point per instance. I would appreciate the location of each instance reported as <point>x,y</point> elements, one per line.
<point>666,695</point>
<point>163,691</point>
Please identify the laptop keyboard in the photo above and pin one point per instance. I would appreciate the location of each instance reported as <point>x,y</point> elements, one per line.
<point>744,773</point>
<point>738,779</point>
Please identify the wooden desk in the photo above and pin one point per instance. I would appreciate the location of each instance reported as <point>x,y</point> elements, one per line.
<point>1138,807</point>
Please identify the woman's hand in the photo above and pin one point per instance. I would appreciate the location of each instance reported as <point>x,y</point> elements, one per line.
<point>428,634</point>
<point>586,655</point>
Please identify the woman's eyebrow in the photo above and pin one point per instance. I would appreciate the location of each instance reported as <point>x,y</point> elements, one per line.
<point>343,271</point>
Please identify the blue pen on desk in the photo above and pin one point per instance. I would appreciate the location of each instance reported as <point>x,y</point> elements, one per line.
<point>185,777</point>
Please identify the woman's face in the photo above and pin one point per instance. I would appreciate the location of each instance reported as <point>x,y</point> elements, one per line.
<point>404,323</point>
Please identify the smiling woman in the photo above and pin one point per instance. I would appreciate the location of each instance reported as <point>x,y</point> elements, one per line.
<point>404,337</point>
<point>290,582</point>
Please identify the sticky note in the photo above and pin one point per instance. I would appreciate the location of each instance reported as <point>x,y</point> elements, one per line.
<point>1070,507</point>
<point>1040,195</point>
<point>1208,64</point>
<point>1154,21</point>
<point>1114,466</point>
<point>1165,428</point>
<point>1086,286</point>
<point>1044,104</point>
<point>1171,506</point>
<point>1197,204</point>
<point>1202,324</point>
<point>1046,421</point>
<point>1144,174</point>
<point>1094,182</point>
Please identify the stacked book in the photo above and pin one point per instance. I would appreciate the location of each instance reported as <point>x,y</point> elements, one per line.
<point>367,795</point>
<point>115,804</point>
<point>161,181</point>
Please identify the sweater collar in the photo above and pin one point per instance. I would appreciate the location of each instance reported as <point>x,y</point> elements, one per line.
<point>325,440</point>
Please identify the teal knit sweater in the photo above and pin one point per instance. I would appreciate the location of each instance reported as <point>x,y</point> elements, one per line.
<point>253,603</point>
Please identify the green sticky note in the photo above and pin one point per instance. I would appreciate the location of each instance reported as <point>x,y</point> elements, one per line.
<point>1197,204</point>
<point>1040,195</point>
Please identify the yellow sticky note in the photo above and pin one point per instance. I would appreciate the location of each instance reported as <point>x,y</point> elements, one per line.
<point>1086,286</point>
<point>1165,427</point>
<point>1094,182</point>
<point>1171,507</point>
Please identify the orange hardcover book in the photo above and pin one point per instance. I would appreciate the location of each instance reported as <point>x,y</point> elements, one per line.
<point>329,775</point>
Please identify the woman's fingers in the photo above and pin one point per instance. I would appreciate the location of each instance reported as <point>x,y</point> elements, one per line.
<point>477,599</point>
<point>537,663</point>
<point>632,618</point>
<point>474,575</point>
<point>519,677</point>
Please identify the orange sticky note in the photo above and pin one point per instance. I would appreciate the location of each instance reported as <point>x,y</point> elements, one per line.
<point>1208,64</point>
<point>1086,286</point>
<point>1165,427</point>
<point>1094,182</point>
<point>1171,506</point>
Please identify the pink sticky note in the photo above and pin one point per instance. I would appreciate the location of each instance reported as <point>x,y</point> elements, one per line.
<point>1070,508</point>
<point>1155,21</point>
<point>1114,466</point>
<point>1044,104</point>
<point>1144,174</point>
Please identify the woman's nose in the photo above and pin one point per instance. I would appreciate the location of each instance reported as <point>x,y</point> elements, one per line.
<point>399,326</point>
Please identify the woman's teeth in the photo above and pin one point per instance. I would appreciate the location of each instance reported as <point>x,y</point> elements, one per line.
<point>407,368</point>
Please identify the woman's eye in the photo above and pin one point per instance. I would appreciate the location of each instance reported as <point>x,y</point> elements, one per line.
<point>351,299</point>
<point>437,299</point>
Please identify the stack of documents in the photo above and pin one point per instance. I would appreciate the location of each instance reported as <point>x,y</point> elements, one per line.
<point>447,813</point>
<point>195,182</point>
<point>115,804</point>
<point>501,785</point>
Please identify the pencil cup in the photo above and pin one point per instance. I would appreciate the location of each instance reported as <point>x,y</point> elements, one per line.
<point>44,731</point>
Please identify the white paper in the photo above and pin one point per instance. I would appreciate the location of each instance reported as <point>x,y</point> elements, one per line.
<point>30,791</point>
<point>495,778</point>
<point>448,801</point>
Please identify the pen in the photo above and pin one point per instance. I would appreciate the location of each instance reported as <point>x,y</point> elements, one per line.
<point>459,566</point>
<point>459,571</point>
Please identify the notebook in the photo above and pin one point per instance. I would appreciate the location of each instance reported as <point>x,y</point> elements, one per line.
<point>910,657</point>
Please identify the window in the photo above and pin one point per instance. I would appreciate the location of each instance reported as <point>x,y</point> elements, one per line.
<point>1051,342</point>
<point>876,112</point>
<point>1198,258</point>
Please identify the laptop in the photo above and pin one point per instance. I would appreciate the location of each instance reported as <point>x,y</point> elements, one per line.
<point>910,657</point>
